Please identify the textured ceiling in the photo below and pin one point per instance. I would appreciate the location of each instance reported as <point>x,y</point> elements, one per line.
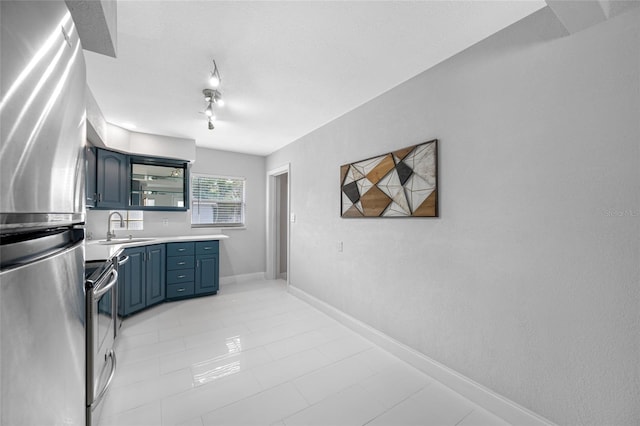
<point>287,67</point>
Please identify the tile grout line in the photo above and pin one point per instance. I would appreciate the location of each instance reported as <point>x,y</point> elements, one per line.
<point>399,402</point>
<point>467,415</point>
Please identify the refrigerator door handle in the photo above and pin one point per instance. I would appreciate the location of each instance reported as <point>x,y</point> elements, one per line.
<point>112,355</point>
<point>97,293</point>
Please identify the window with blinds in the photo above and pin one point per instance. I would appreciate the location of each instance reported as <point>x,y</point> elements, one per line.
<point>217,200</point>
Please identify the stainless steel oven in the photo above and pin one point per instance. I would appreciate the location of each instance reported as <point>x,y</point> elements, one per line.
<point>101,299</point>
<point>122,273</point>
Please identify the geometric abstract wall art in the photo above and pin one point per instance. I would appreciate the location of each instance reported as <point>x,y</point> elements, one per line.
<point>402,183</point>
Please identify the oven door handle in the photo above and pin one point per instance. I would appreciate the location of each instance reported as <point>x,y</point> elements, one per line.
<point>112,355</point>
<point>123,260</point>
<point>98,292</point>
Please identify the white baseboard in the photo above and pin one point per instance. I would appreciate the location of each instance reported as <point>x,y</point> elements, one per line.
<point>233,279</point>
<point>475,392</point>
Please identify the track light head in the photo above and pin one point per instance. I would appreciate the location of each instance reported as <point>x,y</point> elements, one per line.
<point>209,111</point>
<point>217,98</point>
<point>208,95</point>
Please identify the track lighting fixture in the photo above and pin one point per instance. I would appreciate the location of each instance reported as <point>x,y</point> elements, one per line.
<point>212,96</point>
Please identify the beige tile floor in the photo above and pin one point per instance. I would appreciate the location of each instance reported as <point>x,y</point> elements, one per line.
<point>256,355</point>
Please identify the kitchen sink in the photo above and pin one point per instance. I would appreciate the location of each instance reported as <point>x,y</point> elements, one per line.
<point>125,240</point>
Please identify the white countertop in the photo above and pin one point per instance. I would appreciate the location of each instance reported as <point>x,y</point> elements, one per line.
<point>96,250</point>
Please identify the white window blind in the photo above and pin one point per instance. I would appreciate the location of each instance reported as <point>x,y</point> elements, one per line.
<point>217,201</point>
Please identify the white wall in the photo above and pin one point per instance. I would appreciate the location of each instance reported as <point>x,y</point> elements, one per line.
<point>120,139</point>
<point>528,282</point>
<point>244,251</point>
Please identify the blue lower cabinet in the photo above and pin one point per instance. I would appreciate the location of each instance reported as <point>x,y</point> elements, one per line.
<point>131,282</point>
<point>206,274</point>
<point>180,270</point>
<point>207,248</point>
<point>142,278</point>
<point>180,262</point>
<point>207,264</point>
<point>180,249</point>
<point>180,290</point>
<point>156,275</point>
<point>169,271</point>
<point>192,269</point>
<point>180,276</point>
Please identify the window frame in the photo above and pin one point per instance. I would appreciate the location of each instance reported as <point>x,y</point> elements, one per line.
<point>195,199</point>
<point>126,218</point>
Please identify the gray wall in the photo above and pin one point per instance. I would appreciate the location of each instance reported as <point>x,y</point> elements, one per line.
<point>528,282</point>
<point>244,251</point>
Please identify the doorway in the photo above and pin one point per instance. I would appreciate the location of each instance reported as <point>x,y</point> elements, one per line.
<point>278,184</point>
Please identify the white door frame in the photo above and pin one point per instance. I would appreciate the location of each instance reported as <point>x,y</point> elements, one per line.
<point>272,221</point>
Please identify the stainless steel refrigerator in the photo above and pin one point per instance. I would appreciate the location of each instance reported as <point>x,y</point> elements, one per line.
<point>42,301</point>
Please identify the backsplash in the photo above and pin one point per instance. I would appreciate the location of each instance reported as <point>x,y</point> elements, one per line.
<point>156,224</point>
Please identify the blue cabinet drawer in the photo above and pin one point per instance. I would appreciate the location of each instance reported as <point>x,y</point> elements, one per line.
<point>207,247</point>
<point>179,290</point>
<point>180,262</point>
<point>179,276</point>
<point>180,249</point>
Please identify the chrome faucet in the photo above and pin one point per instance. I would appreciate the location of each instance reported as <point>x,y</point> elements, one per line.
<point>112,234</point>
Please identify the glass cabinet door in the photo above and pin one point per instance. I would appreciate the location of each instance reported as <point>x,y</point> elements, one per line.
<point>158,186</point>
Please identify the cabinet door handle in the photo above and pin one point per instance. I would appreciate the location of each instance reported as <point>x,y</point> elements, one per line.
<point>181,249</point>
<point>197,264</point>
<point>181,276</point>
<point>180,290</point>
<point>181,263</point>
<point>99,197</point>
<point>207,248</point>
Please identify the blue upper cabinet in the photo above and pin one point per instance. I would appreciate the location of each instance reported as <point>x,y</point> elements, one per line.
<point>132,182</point>
<point>158,184</point>
<point>111,184</point>
<point>90,159</point>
